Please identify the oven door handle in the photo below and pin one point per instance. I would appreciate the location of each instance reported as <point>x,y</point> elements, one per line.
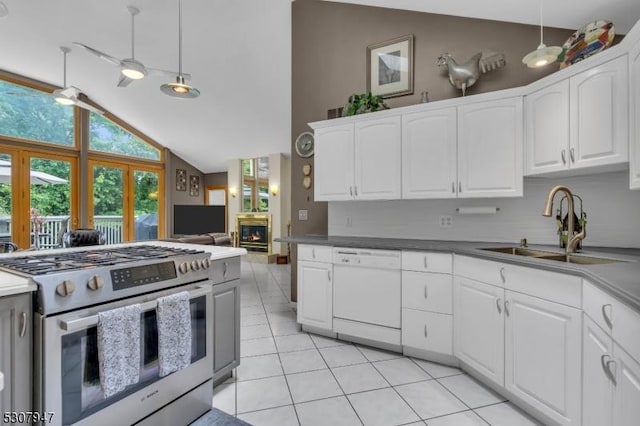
<point>92,320</point>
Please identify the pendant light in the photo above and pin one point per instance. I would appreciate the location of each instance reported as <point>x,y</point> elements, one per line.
<point>180,89</point>
<point>58,94</point>
<point>544,54</point>
<point>130,67</point>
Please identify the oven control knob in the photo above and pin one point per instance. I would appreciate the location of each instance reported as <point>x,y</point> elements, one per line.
<point>96,282</point>
<point>183,267</point>
<point>195,265</point>
<point>206,263</point>
<point>65,289</point>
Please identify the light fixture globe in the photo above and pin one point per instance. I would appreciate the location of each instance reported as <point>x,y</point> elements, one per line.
<point>180,89</point>
<point>61,98</point>
<point>133,69</point>
<point>542,56</point>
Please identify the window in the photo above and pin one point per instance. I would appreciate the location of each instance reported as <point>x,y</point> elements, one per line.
<point>31,114</point>
<point>107,136</point>
<point>255,184</point>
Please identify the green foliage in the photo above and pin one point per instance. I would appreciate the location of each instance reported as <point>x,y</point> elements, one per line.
<point>107,136</point>
<point>363,103</point>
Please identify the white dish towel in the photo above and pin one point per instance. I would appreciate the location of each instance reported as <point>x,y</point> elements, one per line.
<point>174,332</point>
<point>119,348</point>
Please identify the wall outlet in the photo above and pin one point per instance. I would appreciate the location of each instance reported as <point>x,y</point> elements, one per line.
<point>446,221</point>
<point>303,214</point>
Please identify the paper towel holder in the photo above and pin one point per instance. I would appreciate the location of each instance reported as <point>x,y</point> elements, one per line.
<point>478,210</point>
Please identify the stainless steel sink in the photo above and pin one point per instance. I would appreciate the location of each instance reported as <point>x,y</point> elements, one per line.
<point>520,251</point>
<point>581,260</point>
<point>558,257</point>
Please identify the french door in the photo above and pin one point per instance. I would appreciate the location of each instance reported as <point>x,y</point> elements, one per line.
<point>125,202</point>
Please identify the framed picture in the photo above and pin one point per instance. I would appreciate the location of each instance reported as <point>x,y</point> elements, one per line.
<point>194,185</point>
<point>181,180</point>
<point>390,67</point>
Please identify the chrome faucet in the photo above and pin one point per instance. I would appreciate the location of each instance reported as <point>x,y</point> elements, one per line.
<point>572,240</point>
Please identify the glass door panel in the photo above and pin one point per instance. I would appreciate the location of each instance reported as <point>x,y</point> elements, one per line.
<point>50,203</point>
<point>5,197</point>
<point>108,204</point>
<point>146,186</point>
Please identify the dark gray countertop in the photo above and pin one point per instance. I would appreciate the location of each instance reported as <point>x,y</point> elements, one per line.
<point>620,279</point>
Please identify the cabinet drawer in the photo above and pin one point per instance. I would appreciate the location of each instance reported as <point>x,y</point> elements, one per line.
<point>427,331</point>
<point>552,286</point>
<point>315,253</point>
<point>598,305</point>
<point>427,262</point>
<point>626,329</point>
<point>427,292</point>
<point>486,271</point>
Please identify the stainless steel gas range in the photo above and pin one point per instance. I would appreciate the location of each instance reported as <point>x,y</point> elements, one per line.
<point>73,288</point>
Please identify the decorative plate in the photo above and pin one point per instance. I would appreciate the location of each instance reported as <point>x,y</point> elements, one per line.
<point>588,40</point>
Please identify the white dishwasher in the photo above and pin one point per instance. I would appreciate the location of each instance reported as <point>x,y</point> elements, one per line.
<point>367,293</point>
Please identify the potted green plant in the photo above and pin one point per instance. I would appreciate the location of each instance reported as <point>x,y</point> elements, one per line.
<point>363,103</point>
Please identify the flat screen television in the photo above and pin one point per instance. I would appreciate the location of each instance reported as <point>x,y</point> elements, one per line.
<point>197,219</point>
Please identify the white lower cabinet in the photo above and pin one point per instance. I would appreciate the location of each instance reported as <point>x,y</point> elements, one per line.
<point>597,387</point>
<point>543,355</point>
<point>427,331</point>
<point>479,327</point>
<point>315,294</point>
<point>626,394</point>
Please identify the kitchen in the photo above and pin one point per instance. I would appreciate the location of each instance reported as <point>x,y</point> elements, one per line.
<point>522,215</point>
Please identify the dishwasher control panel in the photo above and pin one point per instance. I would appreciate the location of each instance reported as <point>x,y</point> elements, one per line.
<point>383,259</point>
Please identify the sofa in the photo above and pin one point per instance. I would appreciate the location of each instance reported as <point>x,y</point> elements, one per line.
<point>214,238</point>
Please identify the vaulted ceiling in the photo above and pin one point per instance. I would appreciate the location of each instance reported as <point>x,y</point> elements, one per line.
<point>237,51</point>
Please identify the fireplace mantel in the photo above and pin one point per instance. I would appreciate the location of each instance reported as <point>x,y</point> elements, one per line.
<point>253,231</point>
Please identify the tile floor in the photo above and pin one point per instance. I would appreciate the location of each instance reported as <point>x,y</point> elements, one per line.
<point>288,377</point>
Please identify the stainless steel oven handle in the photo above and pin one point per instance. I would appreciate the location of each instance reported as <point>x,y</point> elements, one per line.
<point>86,322</point>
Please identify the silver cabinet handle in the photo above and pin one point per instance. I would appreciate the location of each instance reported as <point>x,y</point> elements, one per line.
<point>572,154</point>
<point>453,187</point>
<point>606,363</point>
<point>563,154</point>
<point>499,305</point>
<point>506,308</point>
<point>425,262</point>
<point>425,291</point>
<point>351,191</point>
<point>224,269</point>
<point>329,274</point>
<point>607,317</point>
<point>23,324</point>
<point>425,330</point>
<point>356,190</point>
<point>460,186</point>
<point>502,277</point>
<point>313,253</point>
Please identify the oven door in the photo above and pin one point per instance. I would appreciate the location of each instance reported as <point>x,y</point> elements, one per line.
<point>70,379</point>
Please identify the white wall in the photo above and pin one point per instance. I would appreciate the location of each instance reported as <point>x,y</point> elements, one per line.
<point>280,204</point>
<point>613,215</point>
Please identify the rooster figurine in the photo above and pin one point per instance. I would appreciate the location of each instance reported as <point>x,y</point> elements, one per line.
<point>463,76</point>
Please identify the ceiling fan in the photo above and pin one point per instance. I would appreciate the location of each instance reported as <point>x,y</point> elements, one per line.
<point>130,68</point>
<point>68,95</point>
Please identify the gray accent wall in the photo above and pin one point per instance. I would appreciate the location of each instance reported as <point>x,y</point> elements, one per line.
<point>179,197</point>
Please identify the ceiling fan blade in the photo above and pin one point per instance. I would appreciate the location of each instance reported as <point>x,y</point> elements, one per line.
<point>124,80</point>
<point>87,106</point>
<point>165,73</point>
<point>99,54</point>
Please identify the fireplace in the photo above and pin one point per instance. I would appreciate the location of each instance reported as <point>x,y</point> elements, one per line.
<point>254,231</point>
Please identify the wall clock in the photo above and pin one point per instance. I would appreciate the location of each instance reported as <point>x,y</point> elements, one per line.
<point>304,144</point>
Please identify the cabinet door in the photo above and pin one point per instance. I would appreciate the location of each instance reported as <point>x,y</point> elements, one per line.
<point>490,160</point>
<point>597,387</point>
<point>226,328</point>
<point>429,154</point>
<point>626,397</point>
<point>479,327</point>
<point>543,355</point>
<point>16,353</point>
<point>634,117</point>
<point>599,118</point>
<point>333,163</point>
<point>315,294</point>
<point>427,292</point>
<point>378,159</point>
<point>427,331</point>
<point>547,129</point>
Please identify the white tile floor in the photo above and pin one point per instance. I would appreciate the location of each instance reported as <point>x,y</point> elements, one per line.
<point>288,377</point>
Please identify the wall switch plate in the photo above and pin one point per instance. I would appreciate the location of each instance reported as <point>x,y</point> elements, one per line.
<point>446,221</point>
<point>303,214</point>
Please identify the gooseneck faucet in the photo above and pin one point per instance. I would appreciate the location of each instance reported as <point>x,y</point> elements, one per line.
<point>572,240</point>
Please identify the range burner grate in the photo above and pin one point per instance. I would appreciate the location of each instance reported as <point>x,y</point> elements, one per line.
<point>47,263</point>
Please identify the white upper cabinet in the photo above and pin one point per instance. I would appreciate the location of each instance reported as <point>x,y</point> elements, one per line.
<point>634,117</point>
<point>334,157</point>
<point>358,161</point>
<point>490,149</point>
<point>579,122</point>
<point>377,159</point>
<point>429,154</point>
<point>547,129</point>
